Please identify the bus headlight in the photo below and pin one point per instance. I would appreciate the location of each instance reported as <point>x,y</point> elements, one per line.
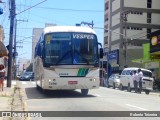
<point>94,79</point>
<point>49,80</point>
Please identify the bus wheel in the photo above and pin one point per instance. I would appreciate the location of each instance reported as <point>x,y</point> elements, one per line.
<point>38,88</point>
<point>84,91</point>
<point>147,92</point>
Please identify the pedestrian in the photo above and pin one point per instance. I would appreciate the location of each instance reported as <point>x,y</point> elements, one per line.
<point>2,76</point>
<point>140,75</point>
<point>135,79</point>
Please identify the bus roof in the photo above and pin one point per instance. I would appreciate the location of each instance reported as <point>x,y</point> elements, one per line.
<point>68,29</point>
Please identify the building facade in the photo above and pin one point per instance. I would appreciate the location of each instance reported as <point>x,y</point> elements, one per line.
<point>36,35</point>
<point>22,65</point>
<point>128,25</point>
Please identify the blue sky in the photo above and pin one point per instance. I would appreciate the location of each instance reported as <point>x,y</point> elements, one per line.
<point>60,12</point>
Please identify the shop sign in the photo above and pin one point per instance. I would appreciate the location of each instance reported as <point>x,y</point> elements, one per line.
<point>155,42</point>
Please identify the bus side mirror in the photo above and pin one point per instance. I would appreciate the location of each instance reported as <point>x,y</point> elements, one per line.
<point>101,52</point>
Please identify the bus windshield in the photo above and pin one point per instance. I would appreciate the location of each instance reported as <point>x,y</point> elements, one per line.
<point>71,49</point>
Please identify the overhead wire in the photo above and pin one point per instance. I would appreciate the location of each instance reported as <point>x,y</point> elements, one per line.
<point>62,9</point>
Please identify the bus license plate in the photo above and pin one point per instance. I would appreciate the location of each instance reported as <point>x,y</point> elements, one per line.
<point>72,82</point>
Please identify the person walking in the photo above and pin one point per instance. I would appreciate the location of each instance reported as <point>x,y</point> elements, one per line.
<point>135,79</point>
<point>2,76</point>
<point>140,75</point>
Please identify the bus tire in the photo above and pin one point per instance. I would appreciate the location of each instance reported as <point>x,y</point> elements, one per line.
<point>38,88</point>
<point>147,92</point>
<point>84,91</point>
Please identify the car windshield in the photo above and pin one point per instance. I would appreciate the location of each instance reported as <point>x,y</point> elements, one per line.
<point>71,48</point>
<point>147,73</point>
<point>27,74</point>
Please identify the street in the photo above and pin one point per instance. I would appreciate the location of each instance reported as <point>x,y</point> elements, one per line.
<point>102,99</point>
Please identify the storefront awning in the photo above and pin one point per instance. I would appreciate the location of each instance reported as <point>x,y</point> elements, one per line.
<point>3,50</point>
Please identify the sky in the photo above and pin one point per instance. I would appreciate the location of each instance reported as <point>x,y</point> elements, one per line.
<point>60,12</point>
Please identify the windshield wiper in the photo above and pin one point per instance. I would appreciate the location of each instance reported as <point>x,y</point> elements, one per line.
<point>62,57</point>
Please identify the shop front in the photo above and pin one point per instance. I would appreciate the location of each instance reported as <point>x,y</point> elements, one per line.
<point>3,50</point>
<point>151,56</point>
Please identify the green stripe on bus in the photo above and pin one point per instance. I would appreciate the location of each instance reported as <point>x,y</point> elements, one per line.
<point>82,71</point>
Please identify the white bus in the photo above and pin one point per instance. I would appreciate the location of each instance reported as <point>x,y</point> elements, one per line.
<point>67,58</point>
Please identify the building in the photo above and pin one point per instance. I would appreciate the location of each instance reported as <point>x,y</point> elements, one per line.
<point>128,25</point>
<point>36,35</point>
<point>22,65</point>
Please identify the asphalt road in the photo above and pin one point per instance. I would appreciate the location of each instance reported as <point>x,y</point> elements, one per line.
<point>102,99</point>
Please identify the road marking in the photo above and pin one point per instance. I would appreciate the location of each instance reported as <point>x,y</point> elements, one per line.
<point>136,107</point>
<point>97,95</point>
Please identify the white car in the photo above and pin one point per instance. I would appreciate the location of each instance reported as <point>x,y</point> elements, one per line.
<point>114,81</point>
<point>126,79</point>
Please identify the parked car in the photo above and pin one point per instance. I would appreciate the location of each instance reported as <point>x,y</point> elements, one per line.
<point>126,80</point>
<point>27,76</point>
<point>114,81</point>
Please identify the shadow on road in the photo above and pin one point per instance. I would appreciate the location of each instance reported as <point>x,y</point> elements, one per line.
<point>34,93</point>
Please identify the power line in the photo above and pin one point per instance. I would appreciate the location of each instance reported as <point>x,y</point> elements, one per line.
<point>31,7</point>
<point>62,9</point>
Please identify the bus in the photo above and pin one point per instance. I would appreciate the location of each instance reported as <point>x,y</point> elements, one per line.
<point>67,58</point>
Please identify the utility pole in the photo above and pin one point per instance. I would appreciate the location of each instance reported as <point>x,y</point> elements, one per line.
<point>124,16</point>
<point>12,17</point>
<point>15,48</point>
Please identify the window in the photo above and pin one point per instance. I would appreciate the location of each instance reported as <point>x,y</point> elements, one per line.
<point>149,15</point>
<point>136,12</point>
<point>141,13</point>
<point>148,20</point>
<point>123,72</point>
<point>128,72</point>
<point>148,33</point>
<point>149,3</point>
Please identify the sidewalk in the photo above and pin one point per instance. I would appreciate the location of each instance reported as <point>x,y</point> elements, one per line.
<point>6,97</point>
<point>11,99</point>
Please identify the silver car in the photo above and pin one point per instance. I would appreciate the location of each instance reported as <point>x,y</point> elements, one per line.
<point>113,81</point>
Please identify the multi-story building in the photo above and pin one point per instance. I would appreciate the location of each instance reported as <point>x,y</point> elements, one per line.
<point>128,25</point>
<point>22,65</point>
<point>36,35</point>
